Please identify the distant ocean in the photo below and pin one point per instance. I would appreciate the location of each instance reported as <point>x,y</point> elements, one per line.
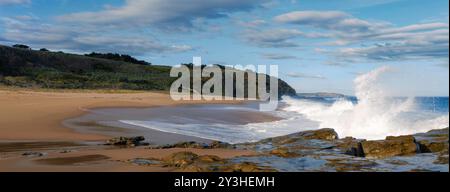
<point>347,115</point>
<point>371,114</point>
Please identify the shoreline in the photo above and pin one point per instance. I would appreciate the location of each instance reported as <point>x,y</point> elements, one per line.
<point>63,150</point>
<point>110,121</point>
<point>37,116</point>
<point>32,122</point>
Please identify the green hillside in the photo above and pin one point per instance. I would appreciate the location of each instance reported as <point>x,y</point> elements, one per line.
<point>24,67</point>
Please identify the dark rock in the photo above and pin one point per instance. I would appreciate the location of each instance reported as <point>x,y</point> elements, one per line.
<point>392,146</point>
<point>220,145</point>
<point>195,145</point>
<point>351,146</point>
<point>190,144</point>
<point>126,141</point>
<point>34,154</point>
<point>144,162</point>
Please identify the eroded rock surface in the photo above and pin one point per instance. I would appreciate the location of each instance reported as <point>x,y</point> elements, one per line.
<point>322,150</point>
<point>196,145</point>
<point>392,146</point>
<point>127,141</point>
<point>191,162</point>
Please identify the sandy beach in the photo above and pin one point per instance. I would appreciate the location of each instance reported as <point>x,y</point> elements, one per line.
<point>33,121</point>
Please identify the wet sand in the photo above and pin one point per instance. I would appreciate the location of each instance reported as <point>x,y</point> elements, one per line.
<point>103,160</point>
<point>107,121</point>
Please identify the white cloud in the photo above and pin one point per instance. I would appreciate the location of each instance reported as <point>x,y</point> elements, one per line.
<point>171,14</point>
<point>332,20</point>
<point>278,37</point>
<point>14,2</point>
<point>251,24</point>
<point>276,56</point>
<point>380,40</point>
<point>59,37</point>
<point>305,76</point>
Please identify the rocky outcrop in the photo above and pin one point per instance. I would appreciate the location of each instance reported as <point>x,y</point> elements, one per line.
<point>196,145</point>
<point>433,141</point>
<point>427,146</point>
<point>181,159</point>
<point>191,162</point>
<point>392,146</point>
<point>351,146</point>
<point>321,134</point>
<point>127,141</point>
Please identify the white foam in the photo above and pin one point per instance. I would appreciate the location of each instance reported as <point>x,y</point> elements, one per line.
<point>375,116</point>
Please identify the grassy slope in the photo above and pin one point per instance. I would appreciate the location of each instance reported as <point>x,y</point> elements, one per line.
<point>57,70</point>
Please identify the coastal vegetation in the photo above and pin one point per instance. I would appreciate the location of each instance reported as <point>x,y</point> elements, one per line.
<point>21,66</point>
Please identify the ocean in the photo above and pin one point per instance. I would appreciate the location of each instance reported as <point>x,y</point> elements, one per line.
<point>348,116</point>
<point>372,113</point>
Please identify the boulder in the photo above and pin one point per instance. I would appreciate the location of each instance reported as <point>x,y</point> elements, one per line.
<point>392,146</point>
<point>220,145</point>
<point>427,146</point>
<point>321,134</point>
<point>351,146</point>
<point>433,141</point>
<point>34,154</point>
<point>206,163</point>
<point>126,141</point>
<point>180,159</point>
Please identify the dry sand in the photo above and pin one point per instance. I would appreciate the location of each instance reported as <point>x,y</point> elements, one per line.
<point>32,120</point>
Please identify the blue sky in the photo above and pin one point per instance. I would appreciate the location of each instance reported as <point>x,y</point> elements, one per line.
<point>319,45</point>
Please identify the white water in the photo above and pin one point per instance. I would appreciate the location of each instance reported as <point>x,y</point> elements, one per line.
<point>375,116</point>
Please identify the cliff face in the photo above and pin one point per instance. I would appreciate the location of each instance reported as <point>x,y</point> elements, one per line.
<point>30,68</point>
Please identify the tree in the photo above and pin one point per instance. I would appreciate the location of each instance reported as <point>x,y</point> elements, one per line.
<point>20,46</point>
<point>118,57</point>
<point>44,50</point>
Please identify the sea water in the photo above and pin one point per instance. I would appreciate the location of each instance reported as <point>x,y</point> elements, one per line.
<point>371,114</point>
